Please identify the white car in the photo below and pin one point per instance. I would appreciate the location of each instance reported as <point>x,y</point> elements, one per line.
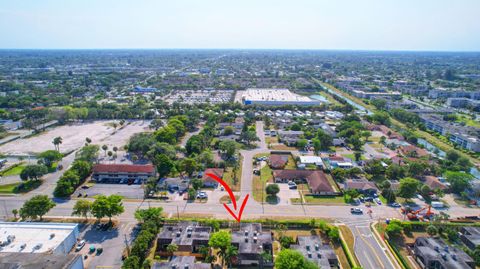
<point>202,195</point>
<point>80,245</point>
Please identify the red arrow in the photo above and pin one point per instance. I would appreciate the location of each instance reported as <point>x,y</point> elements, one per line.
<point>241,209</point>
<point>232,198</point>
<point>230,193</point>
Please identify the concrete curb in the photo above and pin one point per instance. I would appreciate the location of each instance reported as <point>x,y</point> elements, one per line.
<point>385,248</point>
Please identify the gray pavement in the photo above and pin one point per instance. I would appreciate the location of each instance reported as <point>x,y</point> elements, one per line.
<point>367,249</point>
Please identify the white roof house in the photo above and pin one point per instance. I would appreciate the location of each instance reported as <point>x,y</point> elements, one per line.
<point>311,160</point>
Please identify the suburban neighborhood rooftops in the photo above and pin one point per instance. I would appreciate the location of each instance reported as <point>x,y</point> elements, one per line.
<point>431,249</point>
<point>184,233</point>
<point>123,168</point>
<point>181,262</point>
<point>251,239</point>
<point>314,250</point>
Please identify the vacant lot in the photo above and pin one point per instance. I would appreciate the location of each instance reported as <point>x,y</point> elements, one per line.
<point>73,136</point>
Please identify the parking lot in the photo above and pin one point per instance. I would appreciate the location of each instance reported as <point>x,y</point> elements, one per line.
<point>124,190</point>
<point>112,241</point>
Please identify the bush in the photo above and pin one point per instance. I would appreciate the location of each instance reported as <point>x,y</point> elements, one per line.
<point>72,178</point>
<point>272,189</point>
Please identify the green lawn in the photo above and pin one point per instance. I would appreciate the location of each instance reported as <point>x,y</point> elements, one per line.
<point>13,171</point>
<point>9,188</point>
<point>468,121</point>
<point>259,183</point>
<point>351,156</point>
<point>324,200</point>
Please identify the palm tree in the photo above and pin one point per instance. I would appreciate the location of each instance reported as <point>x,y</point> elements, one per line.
<point>105,147</point>
<point>56,142</point>
<point>229,253</point>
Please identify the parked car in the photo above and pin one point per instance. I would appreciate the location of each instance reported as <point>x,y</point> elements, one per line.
<point>202,195</point>
<point>438,205</point>
<point>395,205</point>
<point>378,201</point>
<point>80,245</point>
<point>356,210</point>
<point>368,199</point>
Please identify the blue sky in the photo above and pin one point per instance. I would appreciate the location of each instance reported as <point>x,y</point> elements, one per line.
<point>268,24</point>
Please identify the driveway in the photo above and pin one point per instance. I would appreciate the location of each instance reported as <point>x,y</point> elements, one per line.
<point>286,194</point>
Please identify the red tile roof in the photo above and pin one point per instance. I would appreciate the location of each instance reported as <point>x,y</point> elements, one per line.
<point>407,150</point>
<point>123,168</point>
<point>316,179</point>
<point>434,183</point>
<point>278,161</point>
<point>216,171</point>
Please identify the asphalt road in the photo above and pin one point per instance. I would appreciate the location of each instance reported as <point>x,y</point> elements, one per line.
<point>368,250</point>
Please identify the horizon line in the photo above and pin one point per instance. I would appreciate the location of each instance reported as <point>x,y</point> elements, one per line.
<point>249,49</point>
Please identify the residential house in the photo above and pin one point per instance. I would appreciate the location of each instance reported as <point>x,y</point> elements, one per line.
<point>252,243</point>
<point>311,160</point>
<point>434,253</point>
<point>315,179</point>
<point>339,142</point>
<point>362,185</point>
<point>290,138</point>
<point>123,173</point>
<point>278,161</point>
<point>434,183</point>
<point>188,236</point>
<point>174,184</point>
<point>412,151</point>
<point>209,182</point>
<point>339,162</point>
<point>315,251</point>
<point>237,125</point>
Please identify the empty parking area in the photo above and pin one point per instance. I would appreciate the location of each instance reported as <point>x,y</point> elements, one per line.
<point>73,136</point>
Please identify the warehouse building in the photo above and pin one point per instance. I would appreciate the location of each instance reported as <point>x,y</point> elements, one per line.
<point>36,237</point>
<point>276,97</point>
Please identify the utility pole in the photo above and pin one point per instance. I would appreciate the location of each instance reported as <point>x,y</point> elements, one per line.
<point>5,208</point>
<point>126,244</point>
